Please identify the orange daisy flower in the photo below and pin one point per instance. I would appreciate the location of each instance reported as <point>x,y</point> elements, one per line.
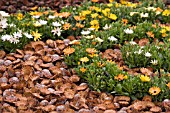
<point>150,34</point>
<point>94,0</point>
<point>168,85</point>
<point>91,50</point>
<point>66,26</point>
<point>68,50</point>
<point>125,21</point>
<point>77,18</point>
<point>79,25</point>
<point>83,70</point>
<point>119,77</point>
<point>154,90</point>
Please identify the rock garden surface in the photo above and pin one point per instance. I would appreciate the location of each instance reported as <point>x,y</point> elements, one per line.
<point>38,79</point>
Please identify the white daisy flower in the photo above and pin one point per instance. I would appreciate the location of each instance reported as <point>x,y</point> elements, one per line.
<point>14,40</point>
<point>107,27</point>
<point>154,62</point>
<point>43,22</point>
<point>17,34</point>
<point>91,29</point>
<point>4,14</point>
<point>99,39</point>
<point>112,38</point>
<point>132,13</point>
<point>144,15</point>
<point>36,16</point>
<point>57,31</point>
<point>132,43</point>
<point>28,35</point>
<point>4,23</point>
<point>85,32</point>
<point>89,37</point>
<point>6,37</point>
<point>51,17</point>
<point>147,54</point>
<point>56,24</point>
<point>128,31</point>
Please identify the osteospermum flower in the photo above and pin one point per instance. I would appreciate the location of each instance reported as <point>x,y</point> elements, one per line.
<point>84,59</point>
<point>168,85</point>
<point>98,39</point>
<point>6,37</point>
<point>147,54</point>
<point>154,90</point>
<point>112,38</point>
<point>112,16</point>
<point>83,70</point>
<point>120,77</point>
<point>68,50</point>
<point>144,15</point>
<point>154,62</point>
<point>28,35</point>
<point>37,36</point>
<point>43,22</point>
<point>128,31</point>
<point>107,26</point>
<point>144,78</point>
<point>91,50</point>
<point>66,26</point>
<point>56,24</point>
<point>85,32</point>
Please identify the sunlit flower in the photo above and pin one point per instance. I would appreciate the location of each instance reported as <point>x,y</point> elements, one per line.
<point>150,34</point>
<point>3,23</point>
<point>144,15</point>
<point>94,0</point>
<point>94,22</point>
<point>112,16</point>
<point>90,37</point>
<point>14,40</point>
<point>64,14</point>
<point>51,17</point>
<point>96,27</point>
<point>92,55</point>
<point>120,77</point>
<point>37,36</point>
<point>106,11</point>
<point>154,90</point>
<point>43,22</point>
<point>56,24</point>
<point>128,31</point>
<point>85,32</point>
<point>77,18</point>
<point>166,12</point>
<point>84,59</point>
<point>83,70</point>
<point>107,26</point>
<point>168,85</point>
<point>57,31</point>
<point>6,37</point>
<point>68,50</point>
<point>17,34</point>
<point>66,26</point>
<point>151,8</point>
<point>111,1</point>
<point>75,42</point>
<point>36,16</point>
<point>125,21</point>
<point>91,50</point>
<point>4,14</point>
<point>147,54</point>
<point>99,39</point>
<point>37,24</point>
<point>94,15</point>
<point>79,25</point>
<point>145,78</point>
<point>28,35</point>
<point>20,16</point>
<point>132,13</point>
<point>112,38</point>
<point>154,62</point>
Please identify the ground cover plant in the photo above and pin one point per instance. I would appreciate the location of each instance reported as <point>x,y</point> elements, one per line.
<point>118,48</point>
